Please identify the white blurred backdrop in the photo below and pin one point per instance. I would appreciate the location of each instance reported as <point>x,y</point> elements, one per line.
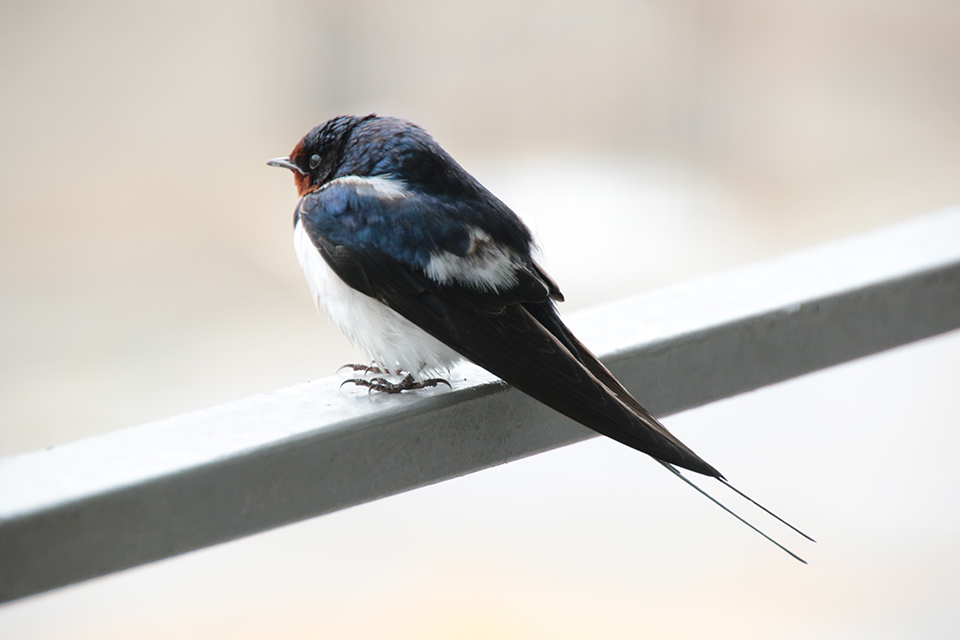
<point>146,269</point>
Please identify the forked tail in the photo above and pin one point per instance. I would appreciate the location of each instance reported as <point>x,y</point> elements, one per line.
<point>677,473</point>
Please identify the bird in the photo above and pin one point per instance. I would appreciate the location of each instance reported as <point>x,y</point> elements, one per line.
<point>421,267</point>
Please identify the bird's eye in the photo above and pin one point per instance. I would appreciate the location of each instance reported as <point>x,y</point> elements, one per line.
<point>314,161</point>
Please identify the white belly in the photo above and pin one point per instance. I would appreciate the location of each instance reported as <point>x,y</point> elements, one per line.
<point>386,336</point>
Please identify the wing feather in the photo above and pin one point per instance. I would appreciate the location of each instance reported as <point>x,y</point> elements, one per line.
<point>374,244</point>
<point>525,343</point>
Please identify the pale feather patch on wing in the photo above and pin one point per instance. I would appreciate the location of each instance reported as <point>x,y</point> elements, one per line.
<point>385,187</point>
<point>486,265</point>
<point>385,335</point>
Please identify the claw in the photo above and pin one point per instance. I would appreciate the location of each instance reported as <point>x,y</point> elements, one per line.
<point>366,368</point>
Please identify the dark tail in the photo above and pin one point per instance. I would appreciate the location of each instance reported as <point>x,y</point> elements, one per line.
<point>709,497</point>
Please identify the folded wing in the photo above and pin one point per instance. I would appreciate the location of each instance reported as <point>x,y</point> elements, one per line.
<point>515,332</point>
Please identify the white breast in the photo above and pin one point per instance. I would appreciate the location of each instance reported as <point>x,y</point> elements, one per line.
<point>386,336</point>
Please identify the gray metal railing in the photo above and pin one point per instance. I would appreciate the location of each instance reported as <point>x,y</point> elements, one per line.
<point>129,497</point>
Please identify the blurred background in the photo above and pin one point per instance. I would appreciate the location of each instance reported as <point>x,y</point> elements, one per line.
<point>146,269</point>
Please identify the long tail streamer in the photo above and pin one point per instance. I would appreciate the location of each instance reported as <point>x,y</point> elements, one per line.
<point>767,511</point>
<point>677,473</point>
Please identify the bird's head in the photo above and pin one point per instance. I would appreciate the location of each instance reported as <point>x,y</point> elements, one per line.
<point>317,157</point>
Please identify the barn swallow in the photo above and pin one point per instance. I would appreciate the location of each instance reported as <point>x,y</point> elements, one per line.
<point>421,266</point>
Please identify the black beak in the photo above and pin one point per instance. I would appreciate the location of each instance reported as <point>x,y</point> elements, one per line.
<point>286,164</point>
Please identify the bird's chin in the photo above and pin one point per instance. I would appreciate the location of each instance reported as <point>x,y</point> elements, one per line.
<point>304,185</point>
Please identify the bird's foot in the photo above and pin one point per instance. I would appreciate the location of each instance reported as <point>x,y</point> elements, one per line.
<point>406,384</point>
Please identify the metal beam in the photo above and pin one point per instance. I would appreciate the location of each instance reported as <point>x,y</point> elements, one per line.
<point>136,495</point>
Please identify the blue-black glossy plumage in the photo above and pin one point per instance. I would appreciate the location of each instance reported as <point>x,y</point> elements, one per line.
<point>441,201</point>
<point>379,236</point>
<point>408,229</point>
